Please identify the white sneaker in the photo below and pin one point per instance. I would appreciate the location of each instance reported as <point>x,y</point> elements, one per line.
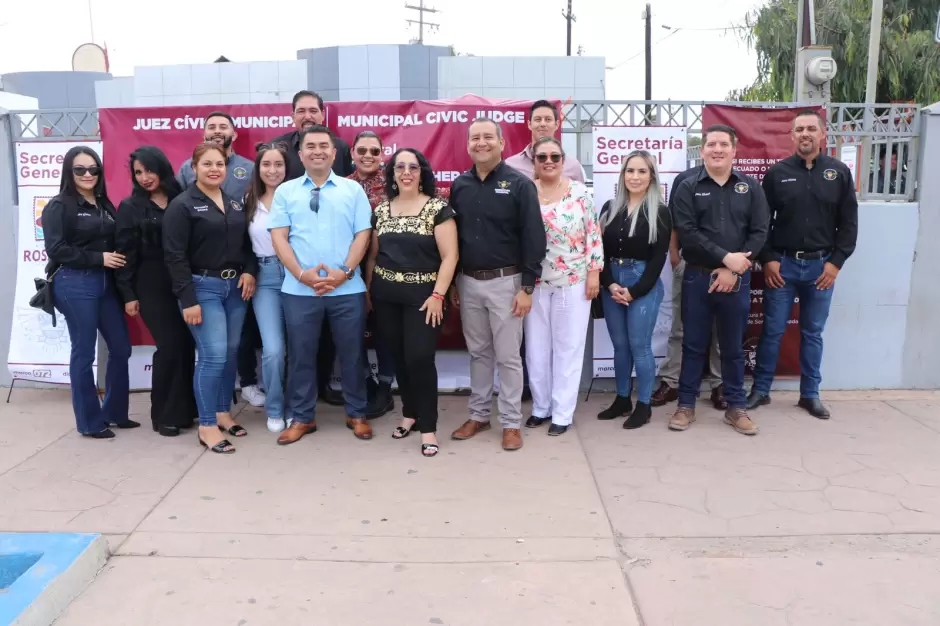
<point>253,395</point>
<point>275,424</point>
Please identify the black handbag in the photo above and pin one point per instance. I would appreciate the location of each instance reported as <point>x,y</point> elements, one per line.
<point>43,298</point>
<point>597,308</point>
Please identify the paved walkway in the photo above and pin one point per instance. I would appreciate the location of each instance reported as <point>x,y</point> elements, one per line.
<point>810,523</point>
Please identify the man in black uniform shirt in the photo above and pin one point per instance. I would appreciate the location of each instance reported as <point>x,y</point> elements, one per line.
<point>722,218</point>
<point>308,111</point>
<point>502,245</point>
<point>813,231</point>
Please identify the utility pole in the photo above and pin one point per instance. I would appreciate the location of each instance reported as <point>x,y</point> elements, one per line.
<point>874,45</point>
<point>569,17</point>
<point>421,9</point>
<point>648,16</point>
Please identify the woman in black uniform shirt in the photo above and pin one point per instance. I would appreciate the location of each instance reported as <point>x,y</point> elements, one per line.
<point>212,268</point>
<point>144,284</point>
<point>79,238</point>
<point>411,265</point>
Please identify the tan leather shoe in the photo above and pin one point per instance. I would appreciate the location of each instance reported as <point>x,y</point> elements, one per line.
<point>295,432</point>
<point>739,420</point>
<point>360,427</point>
<point>469,429</point>
<point>512,439</point>
<point>682,419</point>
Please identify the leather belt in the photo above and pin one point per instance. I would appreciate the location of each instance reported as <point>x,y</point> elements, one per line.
<point>803,255</point>
<point>491,274</point>
<point>225,274</point>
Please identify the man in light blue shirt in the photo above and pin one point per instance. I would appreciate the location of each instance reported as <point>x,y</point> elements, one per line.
<point>321,226</point>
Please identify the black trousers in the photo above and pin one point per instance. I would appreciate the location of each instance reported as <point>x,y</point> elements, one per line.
<point>248,350</point>
<point>412,344</point>
<point>172,402</point>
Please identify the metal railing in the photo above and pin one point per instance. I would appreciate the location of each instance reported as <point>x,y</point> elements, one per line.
<point>881,134</point>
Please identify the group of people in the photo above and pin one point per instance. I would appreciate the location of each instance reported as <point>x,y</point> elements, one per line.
<point>319,240</point>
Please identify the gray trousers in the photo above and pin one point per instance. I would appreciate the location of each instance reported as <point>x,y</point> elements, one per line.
<point>494,337</point>
<point>669,371</point>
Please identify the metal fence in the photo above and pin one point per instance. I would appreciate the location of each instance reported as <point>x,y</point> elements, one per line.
<point>885,136</point>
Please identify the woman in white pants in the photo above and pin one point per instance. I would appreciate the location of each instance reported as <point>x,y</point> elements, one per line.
<point>556,327</point>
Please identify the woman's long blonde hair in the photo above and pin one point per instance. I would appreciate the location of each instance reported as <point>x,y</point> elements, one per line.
<point>651,202</point>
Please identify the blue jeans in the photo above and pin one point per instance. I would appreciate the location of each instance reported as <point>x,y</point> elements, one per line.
<point>730,312</point>
<point>217,339</point>
<point>89,302</point>
<point>347,319</point>
<point>631,330</point>
<point>270,316</point>
<point>800,278</point>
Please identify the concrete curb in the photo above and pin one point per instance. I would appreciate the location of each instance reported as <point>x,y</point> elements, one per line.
<point>68,564</point>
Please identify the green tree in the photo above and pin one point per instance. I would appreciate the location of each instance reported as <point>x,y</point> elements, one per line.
<point>908,65</point>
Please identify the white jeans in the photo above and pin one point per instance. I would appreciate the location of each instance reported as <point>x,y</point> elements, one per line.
<point>555,334</point>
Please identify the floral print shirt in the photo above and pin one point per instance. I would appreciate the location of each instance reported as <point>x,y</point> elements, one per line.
<point>574,239</point>
<point>374,186</point>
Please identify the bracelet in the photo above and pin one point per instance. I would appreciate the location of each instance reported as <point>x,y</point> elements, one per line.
<point>437,296</point>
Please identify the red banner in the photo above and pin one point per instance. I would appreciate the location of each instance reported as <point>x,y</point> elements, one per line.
<point>763,139</point>
<point>437,128</point>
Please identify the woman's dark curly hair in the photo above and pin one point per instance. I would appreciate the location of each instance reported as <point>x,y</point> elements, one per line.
<point>427,182</point>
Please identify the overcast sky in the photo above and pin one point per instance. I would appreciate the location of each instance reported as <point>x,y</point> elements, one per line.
<point>693,64</point>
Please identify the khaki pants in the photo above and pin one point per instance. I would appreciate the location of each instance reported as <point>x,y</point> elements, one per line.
<point>494,337</point>
<point>669,371</point>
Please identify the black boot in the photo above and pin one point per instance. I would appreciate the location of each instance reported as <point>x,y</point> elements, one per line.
<point>756,399</point>
<point>382,403</point>
<point>620,408</point>
<point>640,417</point>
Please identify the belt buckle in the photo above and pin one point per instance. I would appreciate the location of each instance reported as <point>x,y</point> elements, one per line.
<point>798,255</point>
<point>227,274</point>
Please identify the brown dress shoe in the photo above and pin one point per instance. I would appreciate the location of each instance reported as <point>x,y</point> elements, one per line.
<point>295,432</point>
<point>718,398</point>
<point>512,439</point>
<point>360,427</point>
<point>664,395</point>
<point>469,429</point>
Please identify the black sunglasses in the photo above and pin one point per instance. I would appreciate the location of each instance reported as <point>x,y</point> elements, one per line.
<point>362,151</point>
<point>315,199</point>
<point>81,170</point>
<point>542,158</point>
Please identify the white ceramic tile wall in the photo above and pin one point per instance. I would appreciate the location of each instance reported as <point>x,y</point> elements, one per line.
<point>235,98</point>
<point>148,81</point>
<point>384,71</point>
<point>582,93</point>
<point>235,78</point>
<point>207,78</point>
<point>177,80</point>
<point>353,67</point>
<point>263,76</point>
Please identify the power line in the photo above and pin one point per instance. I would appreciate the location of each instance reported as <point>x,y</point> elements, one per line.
<point>673,31</point>
<point>641,52</point>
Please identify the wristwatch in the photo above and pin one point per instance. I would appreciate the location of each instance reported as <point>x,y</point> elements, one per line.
<point>528,290</point>
<point>350,274</point>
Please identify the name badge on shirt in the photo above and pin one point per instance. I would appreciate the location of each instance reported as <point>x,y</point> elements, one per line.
<point>741,188</point>
<point>201,208</point>
<point>502,187</point>
<point>85,215</point>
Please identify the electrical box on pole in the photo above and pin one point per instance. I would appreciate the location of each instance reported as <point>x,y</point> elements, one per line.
<point>815,69</point>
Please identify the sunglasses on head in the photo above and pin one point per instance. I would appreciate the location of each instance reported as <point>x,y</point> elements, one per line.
<point>81,170</point>
<point>362,151</point>
<point>543,158</point>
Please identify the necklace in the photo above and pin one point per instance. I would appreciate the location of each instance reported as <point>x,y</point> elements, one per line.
<point>546,198</point>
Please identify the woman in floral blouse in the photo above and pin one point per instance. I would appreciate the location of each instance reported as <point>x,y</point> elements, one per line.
<point>556,328</point>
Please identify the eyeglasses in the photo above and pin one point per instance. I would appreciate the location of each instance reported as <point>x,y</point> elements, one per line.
<point>81,170</point>
<point>362,151</point>
<point>543,158</point>
<point>411,167</point>
<point>315,199</point>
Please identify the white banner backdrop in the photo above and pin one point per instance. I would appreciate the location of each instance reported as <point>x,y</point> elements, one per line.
<point>38,351</point>
<point>611,144</point>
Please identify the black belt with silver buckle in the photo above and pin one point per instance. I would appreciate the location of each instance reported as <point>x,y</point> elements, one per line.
<point>492,274</point>
<point>226,274</point>
<point>804,255</point>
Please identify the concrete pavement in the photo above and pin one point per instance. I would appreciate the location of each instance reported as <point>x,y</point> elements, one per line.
<point>809,523</point>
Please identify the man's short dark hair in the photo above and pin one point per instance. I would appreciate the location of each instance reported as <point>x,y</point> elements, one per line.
<point>317,129</point>
<point>306,94</point>
<point>720,128</point>
<point>221,114</point>
<point>543,104</point>
<point>814,113</point>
